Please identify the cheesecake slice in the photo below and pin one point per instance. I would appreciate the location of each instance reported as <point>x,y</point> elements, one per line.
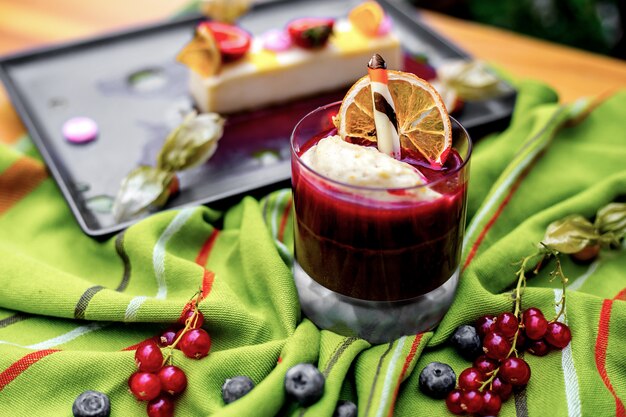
<point>264,77</point>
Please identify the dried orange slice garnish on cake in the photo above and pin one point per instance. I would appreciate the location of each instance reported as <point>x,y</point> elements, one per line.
<point>367,17</point>
<point>423,122</point>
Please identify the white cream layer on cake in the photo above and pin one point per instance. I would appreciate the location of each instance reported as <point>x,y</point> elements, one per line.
<point>265,77</point>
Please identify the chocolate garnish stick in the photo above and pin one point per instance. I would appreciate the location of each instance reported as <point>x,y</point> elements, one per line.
<point>385,118</point>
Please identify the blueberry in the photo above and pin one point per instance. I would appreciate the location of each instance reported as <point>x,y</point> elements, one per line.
<point>437,380</point>
<point>304,383</point>
<point>466,341</point>
<point>91,404</point>
<point>236,387</point>
<point>345,409</point>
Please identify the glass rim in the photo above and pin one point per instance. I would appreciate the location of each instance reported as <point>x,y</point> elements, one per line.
<point>444,177</point>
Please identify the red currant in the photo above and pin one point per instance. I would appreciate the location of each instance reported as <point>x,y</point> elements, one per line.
<point>539,347</point>
<point>532,311</point>
<point>535,326</point>
<point>485,364</point>
<point>491,404</point>
<point>558,335</point>
<point>502,388</point>
<point>173,379</point>
<point>167,337</point>
<point>196,343</point>
<point>485,324</point>
<point>453,402</point>
<point>471,378</point>
<point>163,406</point>
<point>145,386</point>
<point>521,342</point>
<point>149,357</point>
<point>515,371</point>
<point>496,346</point>
<point>472,401</point>
<point>507,324</point>
<point>196,317</point>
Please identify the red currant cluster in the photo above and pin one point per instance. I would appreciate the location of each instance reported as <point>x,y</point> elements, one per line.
<point>490,381</point>
<point>157,380</point>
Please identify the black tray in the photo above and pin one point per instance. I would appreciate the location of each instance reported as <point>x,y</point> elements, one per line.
<point>93,78</point>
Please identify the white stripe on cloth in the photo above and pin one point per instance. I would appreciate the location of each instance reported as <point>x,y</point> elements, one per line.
<point>572,390</point>
<point>62,339</point>
<point>158,262</point>
<point>389,379</point>
<point>579,282</point>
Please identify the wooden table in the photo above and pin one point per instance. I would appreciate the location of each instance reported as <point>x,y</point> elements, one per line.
<point>34,23</point>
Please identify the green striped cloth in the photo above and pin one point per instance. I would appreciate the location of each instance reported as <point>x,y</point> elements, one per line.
<point>72,309</point>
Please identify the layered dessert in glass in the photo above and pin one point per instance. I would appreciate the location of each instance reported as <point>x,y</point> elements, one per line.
<point>378,233</point>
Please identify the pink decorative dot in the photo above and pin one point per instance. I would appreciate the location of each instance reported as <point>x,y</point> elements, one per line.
<point>80,130</point>
<point>276,40</point>
<point>385,26</point>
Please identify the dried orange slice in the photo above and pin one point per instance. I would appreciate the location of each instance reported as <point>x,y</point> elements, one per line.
<point>367,17</point>
<point>423,121</point>
<point>202,53</point>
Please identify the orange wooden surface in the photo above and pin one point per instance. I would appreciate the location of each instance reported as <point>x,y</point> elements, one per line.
<point>33,23</point>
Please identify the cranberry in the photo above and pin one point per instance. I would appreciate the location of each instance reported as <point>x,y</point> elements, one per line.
<point>471,378</point>
<point>196,317</point>
<point>145,386</point>
<point>167,337</point>
<point>453,402</point>
<point>502,388</point>
<point>535,326</point>
<point>148,357</point>
<point>515,371</point>
<point>196,343</point>
<point>485,364</point>
<point>539,347</point>
<point>173,379</point>
<point>507,324</point>
<point>558,335</point>
<point>485,324</point>
<point>472,401</point>
<point>491,404</point>
<point>163,406</point>
<point>496,346</point>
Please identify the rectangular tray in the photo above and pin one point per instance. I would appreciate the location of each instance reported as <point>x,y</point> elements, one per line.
<point>93,78</point>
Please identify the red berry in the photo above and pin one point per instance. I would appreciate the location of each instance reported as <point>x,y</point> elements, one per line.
<point>496,346</point>
<point>532,311</point>
<point>453,402</point>
<point>502,388</point>
<point>507,324</point>
<point>144,385</point>
<point>586,255</point>
<point>196,317</point>
<point>515,371</point>
<point>491,404</point>
<point>163,406</point>
<point>471,378</point>
<point>173,379</point>
<point>232,41</point>
<point>310,32</point>
<point>472,401</point>
<point>521,341</point>
<point>149,357</point>
<point>558,335</point>
<point>167,337</point>
<point>539,347</point>
<point>535,326</point>
<point>485,364</point>
<point>485,324</point>
<point>196,343</point>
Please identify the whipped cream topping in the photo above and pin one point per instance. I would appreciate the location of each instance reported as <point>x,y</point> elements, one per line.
<point>364,166</point>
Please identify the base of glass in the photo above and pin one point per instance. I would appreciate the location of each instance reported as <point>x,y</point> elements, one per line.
<point>374,321</point>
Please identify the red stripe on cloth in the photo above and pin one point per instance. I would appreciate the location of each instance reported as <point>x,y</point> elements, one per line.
<point>283,220</point>
<point>19,180</point>
<point>621,296</point>
<point>602,343</point>
<point>495,217</point>
<point>405,367</point>
<point>205,251</point>
<point>16,369</point>
<point>207,282</point>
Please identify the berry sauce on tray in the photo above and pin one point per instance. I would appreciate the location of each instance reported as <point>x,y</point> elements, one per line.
<point>369,248</point>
